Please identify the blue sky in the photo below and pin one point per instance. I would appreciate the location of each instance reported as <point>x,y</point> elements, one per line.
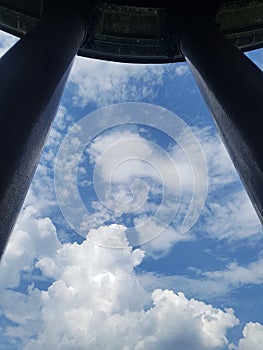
<point>101,257</point>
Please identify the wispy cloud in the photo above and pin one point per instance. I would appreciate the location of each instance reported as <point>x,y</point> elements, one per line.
<point>182,69</point>
<point>104,83</point>
<point>209,284</point>
<point>231,216</point>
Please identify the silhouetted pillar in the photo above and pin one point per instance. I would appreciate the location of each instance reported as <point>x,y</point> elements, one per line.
<point>32,77</point>
<point>232,87</point>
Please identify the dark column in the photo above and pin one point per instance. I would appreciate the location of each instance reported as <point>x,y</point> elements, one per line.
<point>233,90</point>
<point>32,77</point>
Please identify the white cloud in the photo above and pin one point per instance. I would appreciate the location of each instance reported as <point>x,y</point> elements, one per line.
<point>129,171</point>
<point>182,69</point>
<point>209,284</point>
<point>122,155</point>
<point>132,142</point>
<point>252,337</point>
<point>231,216</point>
<point>107,82</point>
<point>236,275</point>
<point>31,239</point>
<point>229,213</point>
<point>198,288</point>
<point>221,169</point>
<point>41,194</point>
<point>159,238</point>
<point>97,302</point>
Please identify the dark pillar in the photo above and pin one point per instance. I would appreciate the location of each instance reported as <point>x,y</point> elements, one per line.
<point>32,77</point>
<point>233,89</point>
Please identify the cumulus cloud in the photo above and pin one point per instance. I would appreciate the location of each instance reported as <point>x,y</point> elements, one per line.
<point>252,337</point>
<point>32,238</point>
<point>97,302</point>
